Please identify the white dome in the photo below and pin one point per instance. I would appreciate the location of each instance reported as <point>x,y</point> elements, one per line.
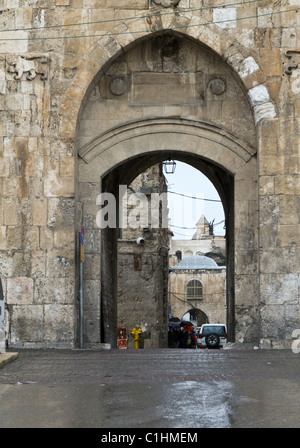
<point>197,262</point>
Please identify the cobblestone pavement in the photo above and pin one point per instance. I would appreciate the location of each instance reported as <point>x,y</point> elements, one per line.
<point>163,388</point>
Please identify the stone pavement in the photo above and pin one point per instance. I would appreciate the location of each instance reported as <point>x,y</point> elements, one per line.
<point>6,358</point>
<point>155,388</point>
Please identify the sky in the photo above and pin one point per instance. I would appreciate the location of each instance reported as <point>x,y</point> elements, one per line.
<point>185,211</point>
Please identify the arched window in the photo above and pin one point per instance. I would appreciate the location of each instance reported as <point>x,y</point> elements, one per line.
<point>178,254</point>
<point>194,290</point>
<point>188,253</point>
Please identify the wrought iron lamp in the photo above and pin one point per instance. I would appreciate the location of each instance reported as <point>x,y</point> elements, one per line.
<point>169,166</point>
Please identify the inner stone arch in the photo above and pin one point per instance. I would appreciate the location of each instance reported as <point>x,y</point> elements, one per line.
<point>168,95</point>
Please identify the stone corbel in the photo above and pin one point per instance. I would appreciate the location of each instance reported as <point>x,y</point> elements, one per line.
<point>166,3</point>
<point>29,65</point>
<point>293,62</point>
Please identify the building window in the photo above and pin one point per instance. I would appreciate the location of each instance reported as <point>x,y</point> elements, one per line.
<point>194,290</point>
<point>178,255</point>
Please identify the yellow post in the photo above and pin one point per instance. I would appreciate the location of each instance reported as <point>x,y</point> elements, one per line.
<point>137,337</point>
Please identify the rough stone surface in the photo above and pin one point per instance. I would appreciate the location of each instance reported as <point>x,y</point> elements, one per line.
<point>2,341</point>
<point>143,269</point>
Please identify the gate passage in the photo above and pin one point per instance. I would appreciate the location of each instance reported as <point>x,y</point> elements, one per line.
<point>2,331</point>
<point>1,314</point>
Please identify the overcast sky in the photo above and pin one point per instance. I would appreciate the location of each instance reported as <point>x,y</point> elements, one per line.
<point>184,211</point>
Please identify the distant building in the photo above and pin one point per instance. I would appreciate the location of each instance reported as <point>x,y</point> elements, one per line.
<point>197,290</point>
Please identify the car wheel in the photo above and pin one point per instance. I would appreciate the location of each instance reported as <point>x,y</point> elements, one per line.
<point>212,340</point>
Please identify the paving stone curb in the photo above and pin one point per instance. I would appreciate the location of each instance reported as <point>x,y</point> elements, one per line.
<point>6,358</point>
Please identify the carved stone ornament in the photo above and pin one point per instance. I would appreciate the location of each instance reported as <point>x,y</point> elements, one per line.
<point>217,86</point>
<point>166,3</point>
<point>30,64</point>
<point>118,86</point>
<point>293,61</point>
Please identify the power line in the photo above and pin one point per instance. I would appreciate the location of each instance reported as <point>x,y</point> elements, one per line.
<point>189,300</point>
<point>182,234</point>
<point>148,30</point>
<point>185,295</point>
<point>194,197</point>
<point>123,19</point>
<point>185,228</point>
<point>184,195</point>
<point>193,228</point>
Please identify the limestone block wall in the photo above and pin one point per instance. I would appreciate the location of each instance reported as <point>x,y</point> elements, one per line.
<point>142,292</point>
<point>37,191</point>
<point>48,76</point>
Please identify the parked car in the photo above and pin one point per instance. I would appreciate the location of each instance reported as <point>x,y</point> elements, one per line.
<point>212,336</point>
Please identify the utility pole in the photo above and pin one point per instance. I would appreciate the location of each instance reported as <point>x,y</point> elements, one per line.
<point>81,258</point>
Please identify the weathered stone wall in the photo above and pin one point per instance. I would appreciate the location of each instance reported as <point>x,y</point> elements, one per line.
<point>47,80</point>
<point>142,276</point>
<point>167,76</point>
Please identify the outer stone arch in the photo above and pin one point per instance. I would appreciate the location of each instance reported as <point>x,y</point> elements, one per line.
<point>124,35</point>
<point>203,144</point>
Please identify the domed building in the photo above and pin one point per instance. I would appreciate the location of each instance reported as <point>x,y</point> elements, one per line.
<point>197,290</point>
<point>196,262</point>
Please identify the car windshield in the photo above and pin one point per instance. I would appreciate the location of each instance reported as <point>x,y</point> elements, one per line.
<point>218,329</point>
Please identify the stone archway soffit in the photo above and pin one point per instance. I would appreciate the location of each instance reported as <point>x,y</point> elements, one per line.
<point>217,39</point>
<point>169,134</point>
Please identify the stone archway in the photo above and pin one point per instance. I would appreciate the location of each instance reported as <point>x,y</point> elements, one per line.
<point>224,182</point>
<point>198,316</point>
<point>49,119</point>
<point>125,128</point>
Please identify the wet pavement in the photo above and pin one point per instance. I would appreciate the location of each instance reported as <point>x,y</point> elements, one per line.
<point>163,388</point>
